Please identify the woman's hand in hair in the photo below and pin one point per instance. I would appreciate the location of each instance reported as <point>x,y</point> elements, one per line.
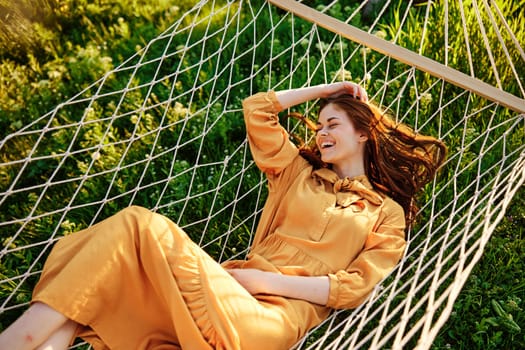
<point>345,87</point>
<point>292,97</point>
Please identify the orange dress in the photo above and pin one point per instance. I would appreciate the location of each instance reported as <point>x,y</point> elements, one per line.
<point>136,281</point>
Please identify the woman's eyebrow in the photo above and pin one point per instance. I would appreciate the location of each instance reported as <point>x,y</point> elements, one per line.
<point>328,120</point>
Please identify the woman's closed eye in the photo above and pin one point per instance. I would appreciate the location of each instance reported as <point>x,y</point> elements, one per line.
<point>330,126</point>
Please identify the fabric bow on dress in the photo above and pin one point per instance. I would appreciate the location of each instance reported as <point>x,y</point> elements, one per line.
<point>349,191</point>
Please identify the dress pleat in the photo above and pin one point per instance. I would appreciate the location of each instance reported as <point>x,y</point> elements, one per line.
<point>137,281</point>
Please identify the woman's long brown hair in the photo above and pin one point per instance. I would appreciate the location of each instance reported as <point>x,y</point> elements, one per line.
<point>398,161</point>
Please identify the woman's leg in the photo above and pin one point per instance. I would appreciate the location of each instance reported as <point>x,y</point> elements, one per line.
<point>62,337</point>
<point>31,329</point>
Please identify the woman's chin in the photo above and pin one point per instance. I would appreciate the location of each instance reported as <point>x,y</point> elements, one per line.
<point>326,159</point>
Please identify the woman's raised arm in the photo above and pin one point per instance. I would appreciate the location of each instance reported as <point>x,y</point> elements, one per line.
<point>292,97</point>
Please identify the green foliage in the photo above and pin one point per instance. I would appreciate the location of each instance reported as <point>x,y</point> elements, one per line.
<point>67,46</point>
<point>26,25</point>
<point>489,313</point>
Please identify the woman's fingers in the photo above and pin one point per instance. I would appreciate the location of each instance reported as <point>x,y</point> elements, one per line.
<point>357,91</point>
<point>363,94</point>
<point>348,87</point>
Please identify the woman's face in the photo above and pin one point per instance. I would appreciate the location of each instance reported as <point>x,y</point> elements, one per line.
<point>338,141</point>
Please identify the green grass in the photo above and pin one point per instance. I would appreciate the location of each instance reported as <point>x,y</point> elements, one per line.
<point>476,323</point>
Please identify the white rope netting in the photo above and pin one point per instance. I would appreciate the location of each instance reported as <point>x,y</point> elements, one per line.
<point>182,150</point>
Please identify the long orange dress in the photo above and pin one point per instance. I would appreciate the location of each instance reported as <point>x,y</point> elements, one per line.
<point>136,281</point>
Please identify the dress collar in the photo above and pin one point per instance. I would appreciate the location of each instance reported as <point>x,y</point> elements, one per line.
<point>349,190</point>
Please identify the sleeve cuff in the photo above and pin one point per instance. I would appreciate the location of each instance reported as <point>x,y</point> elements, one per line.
<point>333,295</point>
<point>272,97</point>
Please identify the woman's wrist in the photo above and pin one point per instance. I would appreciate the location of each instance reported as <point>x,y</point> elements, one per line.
<point>293,97</point>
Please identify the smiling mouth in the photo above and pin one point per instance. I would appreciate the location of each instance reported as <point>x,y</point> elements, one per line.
<point>325,145</point>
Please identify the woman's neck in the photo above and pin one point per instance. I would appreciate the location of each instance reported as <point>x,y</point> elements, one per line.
<point>349,170</point>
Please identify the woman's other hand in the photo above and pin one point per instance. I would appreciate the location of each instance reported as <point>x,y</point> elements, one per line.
<point>314,289</point>
<point>252,280</point>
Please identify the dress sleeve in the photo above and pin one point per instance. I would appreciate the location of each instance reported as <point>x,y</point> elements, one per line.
<point>269,142</point>
<point>383,249</point>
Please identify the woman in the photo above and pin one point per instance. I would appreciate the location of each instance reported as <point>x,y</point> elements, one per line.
<point>332,228</point>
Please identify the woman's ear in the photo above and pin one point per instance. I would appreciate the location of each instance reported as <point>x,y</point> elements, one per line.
<point>363,138</point>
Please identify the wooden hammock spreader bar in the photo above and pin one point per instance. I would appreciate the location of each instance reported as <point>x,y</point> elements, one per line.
<point>404,55</point>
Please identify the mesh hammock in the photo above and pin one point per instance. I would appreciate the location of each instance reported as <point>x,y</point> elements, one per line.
<point>182,150</point>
